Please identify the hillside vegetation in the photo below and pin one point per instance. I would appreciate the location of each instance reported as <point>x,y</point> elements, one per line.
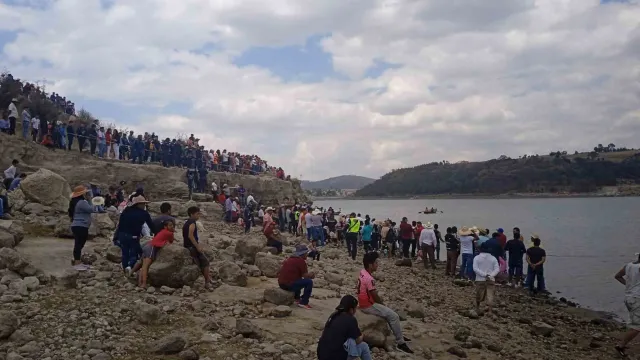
<point>556,173</point>
<point>338,182</point>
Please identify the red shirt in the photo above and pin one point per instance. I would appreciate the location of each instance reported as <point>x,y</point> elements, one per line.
<point>292,270</point>
<point>406,231</point>
<point>366,283</point>
<point>417,232</point>
<point>502,238</point>
<point>162,238</point>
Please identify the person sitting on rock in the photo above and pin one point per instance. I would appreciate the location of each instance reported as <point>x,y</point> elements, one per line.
<point>295,277</point>
<point>314,253</point>
<point>165,214</point>
<point>341,338</point>
<point>270,232</point>
<point>152,248</point>
<point>371,302</point>
<point>192,243</point>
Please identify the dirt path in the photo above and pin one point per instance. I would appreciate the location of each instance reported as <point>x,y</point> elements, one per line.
<point>51,255</point>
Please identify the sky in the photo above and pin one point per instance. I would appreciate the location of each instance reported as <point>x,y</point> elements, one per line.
<point>333,87</point>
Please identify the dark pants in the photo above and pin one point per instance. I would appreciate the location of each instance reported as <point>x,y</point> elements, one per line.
<point>452,260</point>
<point>7,183</point>
<point>352,244</point>
<point>80,236</point>
<point>247,224</point>
<point>406,244</point>
<point>276,244</point>
<point>34,135</point>
<point>81,143</point>
<point>367,246</point>
<point>314,255</point>
<point>392,247</point>
<point>12,125</point>
<point>438,250</point>
<point>92,146</point>
<point>428,252</point>
<point>131,249</point>
<point>515,269</point>
<point>414,244</point>
<point>535,274</point>
<point>297,287</point>
<point>69,141</point>
<point>292,227</point>
<point>227,216</point>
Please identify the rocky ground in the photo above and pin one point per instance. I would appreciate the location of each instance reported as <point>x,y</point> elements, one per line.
<point>50,311</point>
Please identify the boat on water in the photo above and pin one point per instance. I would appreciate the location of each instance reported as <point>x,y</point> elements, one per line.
<point>430,211</point>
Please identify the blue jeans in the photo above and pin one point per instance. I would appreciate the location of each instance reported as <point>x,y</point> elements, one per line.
<point>26,126</point>
<point>297,287</point>
<point>362,349</point>
<point>537,274</point>
<point>102,149</point>
<point>309,232</point>
<point>515,269</point>
<point>466,267</point>
<point>131,249</point>
<point>227,216</point>
<point>318,234</point>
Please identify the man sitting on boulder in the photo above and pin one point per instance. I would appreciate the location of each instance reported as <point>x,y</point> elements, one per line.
<point>294,276</point>
<point>371,303</point>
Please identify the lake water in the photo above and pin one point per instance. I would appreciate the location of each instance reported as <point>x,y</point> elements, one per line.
<point>587,240</point>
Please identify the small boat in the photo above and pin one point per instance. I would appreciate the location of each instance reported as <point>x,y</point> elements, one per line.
<point>429,211</point>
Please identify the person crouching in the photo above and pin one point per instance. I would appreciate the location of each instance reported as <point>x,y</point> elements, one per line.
<point>314,252</point>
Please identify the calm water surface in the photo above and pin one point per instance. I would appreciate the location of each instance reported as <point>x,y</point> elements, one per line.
<point>587,240</point>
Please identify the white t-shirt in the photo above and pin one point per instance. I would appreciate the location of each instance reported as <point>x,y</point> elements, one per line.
<point>428,237</point>
<point>13,110</point>
<point>466,244</point>
<point>260,213</point>
<point>632,277</point>
<point>225,157</point>
<point>35,123</point>
<point>214,186</point>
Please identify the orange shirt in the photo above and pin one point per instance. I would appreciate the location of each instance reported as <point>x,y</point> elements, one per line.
<point>366,283</point>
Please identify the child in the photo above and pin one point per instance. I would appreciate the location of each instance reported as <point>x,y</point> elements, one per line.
<point>314,253</point>
<point>153,247</point>
<point>192,243</point>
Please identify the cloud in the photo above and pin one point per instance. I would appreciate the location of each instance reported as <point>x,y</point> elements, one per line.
<point>471,79</point>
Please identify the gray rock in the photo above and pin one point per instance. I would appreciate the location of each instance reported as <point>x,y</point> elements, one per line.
<point>68,279</point>
<point>404,262</point>
<point>415,310</point>
<point>334,278</point>
<point>114,254</point>
<point>248,247</point>
<point>232,274</point>
<point>278,296</point>
<point>189,354</point>
<point>9,323</point>
<point>148,314</point>
<point>268,264</point>
<point>31,282</point>
<point>281,311</point>
<point>169,345</point>
<point>246,328</point>
<point>174,268</point>
<point>542,329</point>
<point>19,287</point>
<point>457,351</point>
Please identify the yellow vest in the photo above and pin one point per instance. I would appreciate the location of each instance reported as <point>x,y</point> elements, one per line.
<point>354,225</point>
<point>297,215</point>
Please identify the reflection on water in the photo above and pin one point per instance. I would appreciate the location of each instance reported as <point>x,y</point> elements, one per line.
<point>587,240</point>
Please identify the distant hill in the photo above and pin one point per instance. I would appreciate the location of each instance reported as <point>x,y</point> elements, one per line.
<point>555,173</point>
<point>338,182</point>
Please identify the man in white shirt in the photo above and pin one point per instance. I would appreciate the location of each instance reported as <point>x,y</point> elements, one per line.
<point>214,189</point>
<point>13,115</point>
<point>35,127</point>
<point>428,242</point>
<point>486,268</point>
<point>251,200</point>
<point>10,173</point>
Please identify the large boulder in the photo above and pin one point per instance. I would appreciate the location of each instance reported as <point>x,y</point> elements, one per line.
<point>47,188</point>
<point>12,260</point>
<point>278,296</point>
<point>374,328</point>
<point>17,200</point>
<point>8,324</point>
<point>230,273</point>
<point>173,267</point>
<point>102,224</point>
<point>248,246</point>
<point>63,227</point>
<point>268,264</point>
<point>13,228</point>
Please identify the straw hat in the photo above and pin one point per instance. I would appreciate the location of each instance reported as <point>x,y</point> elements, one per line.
<point>138,200</point>
<point>316,212</point>
<point>465,231</point>
<point>270,209</point>
<point>97,201</point>
<point>428,225</point>
<point>79,191</point>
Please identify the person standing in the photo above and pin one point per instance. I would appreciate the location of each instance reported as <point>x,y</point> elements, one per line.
<point>70,134</point>
<point>406,235</point>
<point>353,229</point>
<point>80,214</point>
<point>515,249</point>
<point>629,276</point>
<point>467,239</point>
<point>13,116</point>
<point>438,241</point>
<point>536,257</point>
<point>367,232</point>
<point>35,127</point>
<point>26,123</point>
<point>453,249</point>
<point>129,229</point>
<point>93,137</point>
<point>417,230</point>
<point>428,245</point>
<point>192,243</point>
<point>486,268</point>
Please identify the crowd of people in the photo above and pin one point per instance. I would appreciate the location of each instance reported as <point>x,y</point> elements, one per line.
<point>111,143</point>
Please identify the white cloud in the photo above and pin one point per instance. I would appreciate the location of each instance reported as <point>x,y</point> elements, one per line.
<point>475,79</point>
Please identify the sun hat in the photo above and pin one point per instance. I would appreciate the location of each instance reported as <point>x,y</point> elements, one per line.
<point>535,236</point>
<point>347,302</point>
<point>97,201</point>
<point>301,250</point>
<point>138,200</point>
<point>315,212</point>
<point>270,209</point>
<point>428,225</point>
<point>79,190</point>
<point>464,231</point>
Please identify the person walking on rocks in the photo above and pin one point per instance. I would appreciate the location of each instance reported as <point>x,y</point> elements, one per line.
<point>353,229</point>
<point>486,268</point>
<point>341,338</point>
<point>295,277</point>
<point>192,243</point>
<point>132,219</point>
<point>629,276</point>
<point>371,303</point>
<point>80,211</point>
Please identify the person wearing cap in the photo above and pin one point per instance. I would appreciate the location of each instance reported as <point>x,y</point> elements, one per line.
<point>129,229</point>
<point>536,257</point>
<point>13,115</point>
<point>486,268</point>
<point>352,231</point>
<point>341,338</point>
<point>629,276</point>
<point>295,277</point>
<point>80,214</point>
<point>371,303</point>
<point>502,238</point>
